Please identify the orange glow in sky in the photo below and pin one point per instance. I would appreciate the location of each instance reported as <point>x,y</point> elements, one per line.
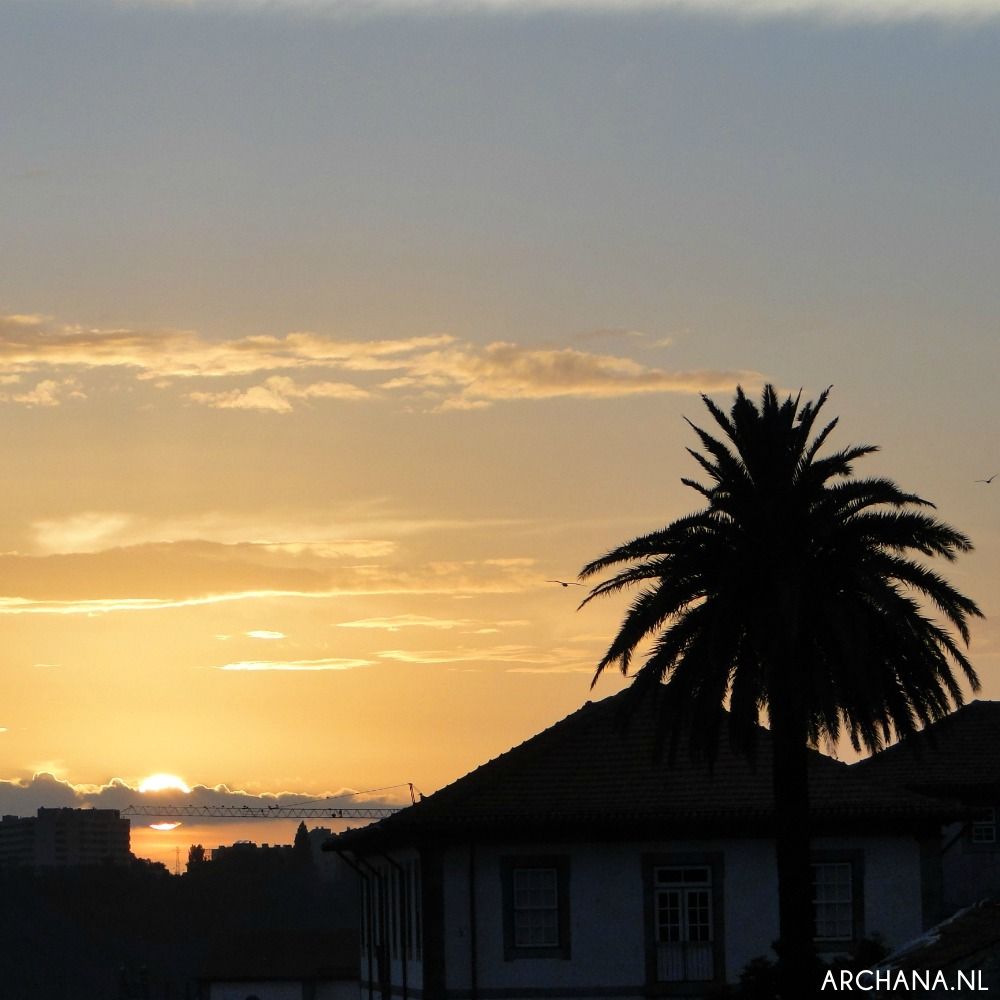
<point>322,359</point>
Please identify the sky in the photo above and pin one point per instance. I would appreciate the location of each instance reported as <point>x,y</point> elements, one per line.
<point>332,332</point>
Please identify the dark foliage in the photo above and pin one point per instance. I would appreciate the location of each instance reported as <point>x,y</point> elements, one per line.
<point>139,932</point>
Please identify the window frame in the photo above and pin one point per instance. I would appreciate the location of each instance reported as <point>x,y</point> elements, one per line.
<point>509,865</point>
<point>855,858</point>
<point>714,863</point>
<point>978,824</point>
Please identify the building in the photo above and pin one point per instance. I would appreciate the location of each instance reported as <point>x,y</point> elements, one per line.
<point>57,838</point>
<point>964,949</point>
<point>957,758</point>
<point>584,863</point>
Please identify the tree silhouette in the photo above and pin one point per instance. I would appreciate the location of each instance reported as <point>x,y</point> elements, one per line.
<point>302,847</point>
<point>793,593</point>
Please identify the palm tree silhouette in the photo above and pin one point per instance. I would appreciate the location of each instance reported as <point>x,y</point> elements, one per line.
<point>793,594</point>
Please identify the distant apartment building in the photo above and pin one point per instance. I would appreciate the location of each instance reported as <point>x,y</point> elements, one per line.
<point>60,838</point>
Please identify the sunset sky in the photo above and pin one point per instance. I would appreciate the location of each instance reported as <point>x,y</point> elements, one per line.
<point>330,331</point>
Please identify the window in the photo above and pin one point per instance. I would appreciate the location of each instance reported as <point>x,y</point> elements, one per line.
<point>412,916</point>
<point>682,906</point>
<point>391,909</point>
<point>838,899</point>
<point>395,910</point>
<point>833,901</point>
<point>984,826</point>
<point>536,907</point>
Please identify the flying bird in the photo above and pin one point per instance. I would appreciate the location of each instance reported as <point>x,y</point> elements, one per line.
<point>565,583</point>
<point>990,480</point>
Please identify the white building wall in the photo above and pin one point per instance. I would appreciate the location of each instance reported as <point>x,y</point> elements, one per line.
<point>605,888</point>
<point>607,912</point>
<point>607,907</point>
<point>749,885</point>
<point>893,899</point>
<point>971,871</point>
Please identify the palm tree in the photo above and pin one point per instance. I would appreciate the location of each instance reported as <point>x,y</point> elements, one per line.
<point>792,594</point>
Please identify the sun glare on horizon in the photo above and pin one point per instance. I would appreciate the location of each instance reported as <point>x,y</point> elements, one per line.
<point>162,782</point>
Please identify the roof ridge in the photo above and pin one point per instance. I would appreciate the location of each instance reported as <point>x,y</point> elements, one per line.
<point>506,754</point>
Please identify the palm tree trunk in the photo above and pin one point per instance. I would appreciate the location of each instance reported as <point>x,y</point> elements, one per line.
<point>795,948</point>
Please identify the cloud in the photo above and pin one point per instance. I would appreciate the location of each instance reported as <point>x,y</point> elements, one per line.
<point>257,397</point>
<point>260,633</point>
<point>48,392</point>
<point>560,668</point>
<point>477,378</point>
<point>158,576</point>
<point>83,532</point>
<point>323,538</point>
<point>23,797</point>
<point>295,666</point>
<point>37,343</point>
<point>838,10</point>
<point>355,548</point>
<point>156,571</point>
<point>275,393</point>
<point>439,372</point>
<point>527,656</point>
<point>397,622</point>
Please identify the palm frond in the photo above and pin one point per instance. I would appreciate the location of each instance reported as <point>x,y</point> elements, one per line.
<point>795,575</point>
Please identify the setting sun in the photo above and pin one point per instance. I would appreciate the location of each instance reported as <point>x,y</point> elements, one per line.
<point>161,782</point>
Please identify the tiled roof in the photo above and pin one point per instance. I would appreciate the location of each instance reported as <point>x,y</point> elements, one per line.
<point>960,752</point>
<point>599,770</point>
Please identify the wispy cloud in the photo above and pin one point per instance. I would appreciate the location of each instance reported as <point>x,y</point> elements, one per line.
<point>263,633</point>
<point>48,392</point>
<point>397,622</point>
<point>276,393</point>
<point>436,372</point>
<point>526,656</point>
<point>328,537</point>
<point>840,10</point>
<point>505,371</point>
<point>158,576</point>
<point>35,343</point>
<point>295,666</point>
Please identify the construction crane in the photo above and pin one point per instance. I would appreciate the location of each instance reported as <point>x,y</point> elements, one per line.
<point>168,811</point>
<point>300,810</point>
